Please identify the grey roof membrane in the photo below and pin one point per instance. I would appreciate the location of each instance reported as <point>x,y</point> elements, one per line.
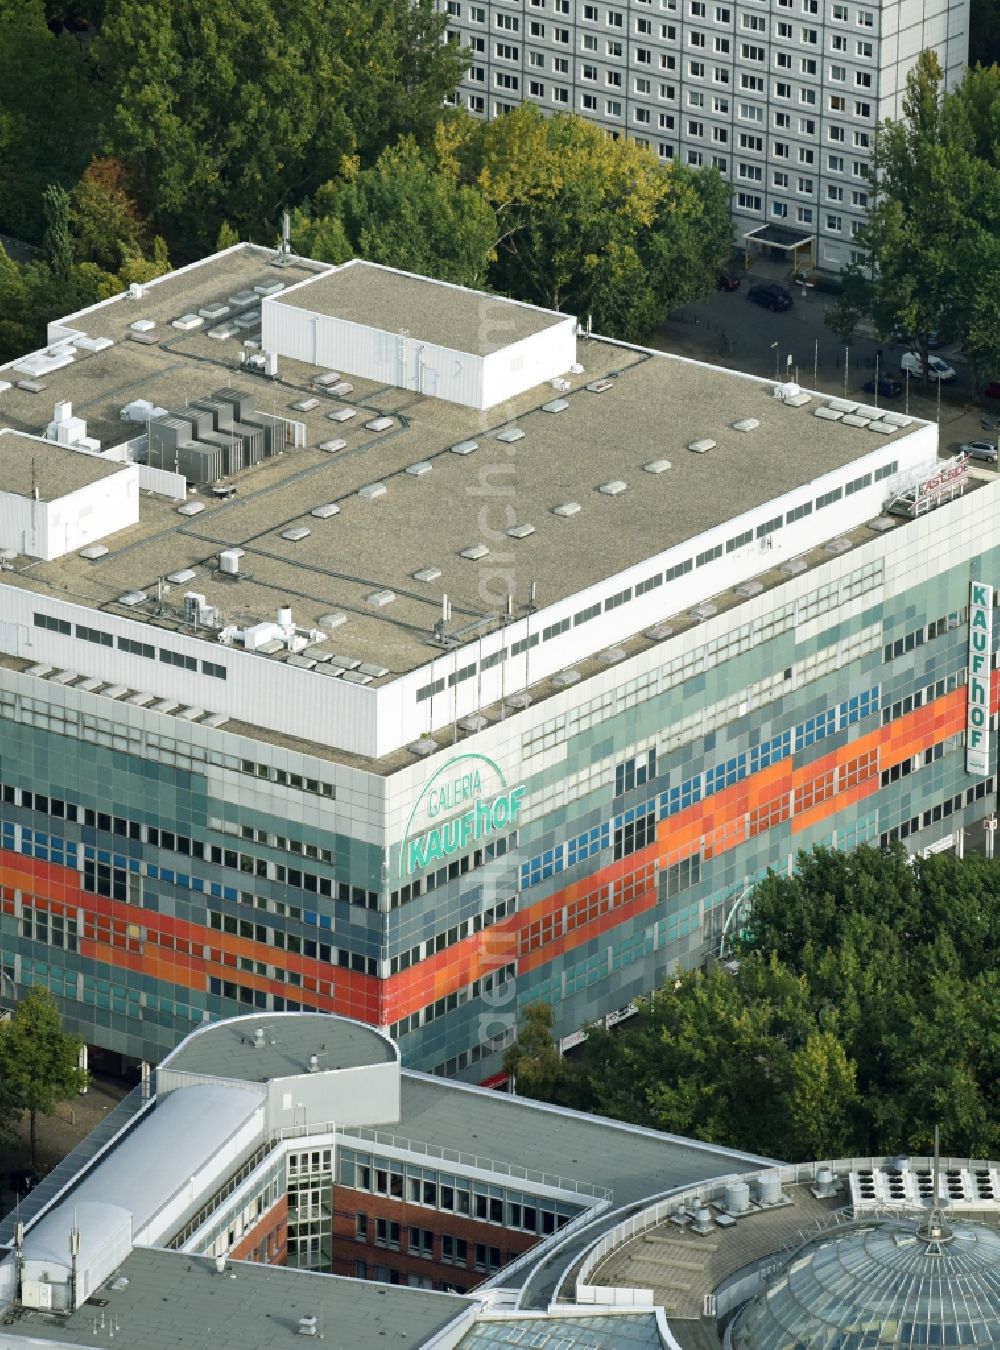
<point>230,1050</point>
<point>173,1301</point>
<point>633,1163</point>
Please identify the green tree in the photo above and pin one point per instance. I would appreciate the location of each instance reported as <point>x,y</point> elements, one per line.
<point>39,1062</point>
<point>104,221</point>
<point>931,246</point>
<point>57,247</point>
<point>224,113</point>
<point>47,114</point>
<point>596,226</point>
<point>533,1061</point>
<point>822,1091</point>
<point>405,211</point>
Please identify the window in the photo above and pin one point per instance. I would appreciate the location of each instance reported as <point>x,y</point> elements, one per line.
<point>55,625</point>
<point>864,49</point>
<point>838,74</point>
<point>756,23</point>
<point>753,84</point>
<point>806,186</point>
<point>779,210</point>
<point>835,164</point>
<point>838,135</point>
<point>808,65</point>
<point>749,112</point>
<point>866,19</point>
<point>752,53</point>
<point>782,90</point>
<point>748,201</point>
<point>753,173</point>
<point>838,103</point>
<point>804,215</point>
<point>94,635</point>
<point>838,43</point>
<point>862,109</point>
<point>862,79</point>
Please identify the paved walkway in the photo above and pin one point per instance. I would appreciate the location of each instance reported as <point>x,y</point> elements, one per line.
<point>60,1133</point>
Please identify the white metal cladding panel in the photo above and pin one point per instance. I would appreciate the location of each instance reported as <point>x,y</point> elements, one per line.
<point>259,691</point>
<point>367,1094</point>
<point>24,525</point>
<point>94,511</point>
<point>402,718</point>
<point>51,529</point>
<point>913,555</point>
<point>523,365</point>
<point>371,353</point>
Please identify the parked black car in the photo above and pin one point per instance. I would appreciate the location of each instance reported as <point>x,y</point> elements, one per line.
<point>886,388</point>
<point>770,296</point>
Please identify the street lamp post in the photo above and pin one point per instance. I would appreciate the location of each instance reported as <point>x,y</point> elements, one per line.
<point>847,359</point>
<point>777,360</point>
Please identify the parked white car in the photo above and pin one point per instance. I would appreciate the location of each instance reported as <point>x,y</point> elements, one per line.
<point>936,368</point>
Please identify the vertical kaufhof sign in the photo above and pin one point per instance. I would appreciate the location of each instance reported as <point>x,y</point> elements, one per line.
<point>977,725</point>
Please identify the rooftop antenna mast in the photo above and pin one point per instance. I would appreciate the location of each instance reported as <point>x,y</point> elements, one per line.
<point>934,1231</point>
<point>284,256</point>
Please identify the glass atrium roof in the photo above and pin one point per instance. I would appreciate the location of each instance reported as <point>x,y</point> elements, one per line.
<point>877,1286</point>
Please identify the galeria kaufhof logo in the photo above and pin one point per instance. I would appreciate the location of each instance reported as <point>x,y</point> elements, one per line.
<point>465,802</point>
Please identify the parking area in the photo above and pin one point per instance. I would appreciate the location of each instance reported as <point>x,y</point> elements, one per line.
<point>728,330</point>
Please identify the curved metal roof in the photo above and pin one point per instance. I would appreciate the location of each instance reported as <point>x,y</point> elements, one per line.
<point>179,1136</point>
<point>880,1285</point>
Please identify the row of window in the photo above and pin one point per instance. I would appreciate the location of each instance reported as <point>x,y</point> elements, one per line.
<point>950,806</point>
<point>451,1194</point>
<point>831,595</point>
<point>632,829</point>
<point>130,645</point>
<point>497,980</point>
<point>475,924</point>
<point>193,848</point>
<point>458,867</point>
<point>925,633</point>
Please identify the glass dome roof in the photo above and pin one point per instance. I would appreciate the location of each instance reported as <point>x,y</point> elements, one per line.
<point>880,1285</point>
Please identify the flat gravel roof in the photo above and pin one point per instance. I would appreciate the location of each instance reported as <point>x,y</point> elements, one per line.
<point>427,310</point>
<point>55,470</point>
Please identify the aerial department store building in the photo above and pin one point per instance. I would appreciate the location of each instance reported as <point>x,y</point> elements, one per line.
<point>274,738</point>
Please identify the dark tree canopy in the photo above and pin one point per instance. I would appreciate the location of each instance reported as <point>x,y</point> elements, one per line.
<point>864,1009</point>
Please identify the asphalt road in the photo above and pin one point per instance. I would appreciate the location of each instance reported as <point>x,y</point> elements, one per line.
<point>728,330</point>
